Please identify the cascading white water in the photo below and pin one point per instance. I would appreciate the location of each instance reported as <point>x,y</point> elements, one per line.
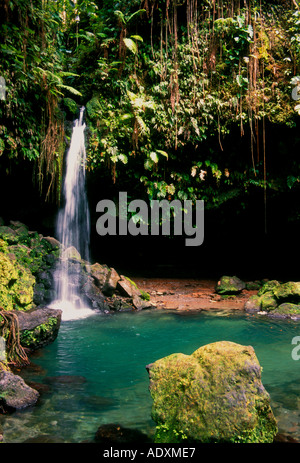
<point>73,228</point>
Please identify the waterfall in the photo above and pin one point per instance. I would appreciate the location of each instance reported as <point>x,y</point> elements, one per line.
<point>73,229</point>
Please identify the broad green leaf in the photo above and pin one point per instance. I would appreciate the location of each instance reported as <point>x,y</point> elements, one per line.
<point>131,45</point>
<point>70,89</point>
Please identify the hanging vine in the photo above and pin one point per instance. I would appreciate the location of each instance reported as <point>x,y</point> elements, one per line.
<point>49,163</point>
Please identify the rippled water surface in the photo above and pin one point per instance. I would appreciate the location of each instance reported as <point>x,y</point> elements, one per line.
<point>94,373</point>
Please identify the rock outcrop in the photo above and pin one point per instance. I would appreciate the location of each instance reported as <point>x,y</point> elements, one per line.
<point>30,263</point>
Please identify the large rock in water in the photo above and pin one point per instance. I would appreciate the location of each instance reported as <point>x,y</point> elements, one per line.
<point>213,395</point>
<point>15,394</point>
<point>38,327</point>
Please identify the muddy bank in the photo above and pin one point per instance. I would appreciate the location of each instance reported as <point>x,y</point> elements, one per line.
<point>189,294</point>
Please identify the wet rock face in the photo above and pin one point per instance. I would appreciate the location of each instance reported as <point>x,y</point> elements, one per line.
<point>213,395</point>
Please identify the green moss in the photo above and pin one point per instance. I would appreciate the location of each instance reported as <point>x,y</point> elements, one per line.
<point>268,301</point>
<point>288,309</point>
<point>16,284</point>
<point>8,234</point>
<point>132,282</point>
<point>3,245</point>
<point>287,292</point>
<point>213,395</point>
<point>38,335</point>
<point>268,286</point>
<point>228,285</point>
<point>144,295</point>
<point>8,271</point>
<point>71,105</point>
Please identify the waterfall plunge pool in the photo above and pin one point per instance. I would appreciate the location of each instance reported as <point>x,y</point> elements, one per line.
<point>94,373</point>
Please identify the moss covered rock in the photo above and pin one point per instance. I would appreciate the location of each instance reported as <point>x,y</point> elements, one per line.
<point>268,301</point>
<point>276,299</point>
<point>268,286</point>
<point>289,292</point>
<point>264,303</point>
<point>15,394</point>
<point>38,327</point>
<point>230,285</point>
<point>213,395</point>
<point>287,309</point>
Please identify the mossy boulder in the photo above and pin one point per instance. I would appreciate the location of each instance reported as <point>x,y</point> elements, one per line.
<point>213,395</point>
<point>228,285</point>
<point>268,301</point>
<point>15,394</point>
<point>287,309</point>
<point>276,299</point>
<point>268,286</point>
<point>265,303</point>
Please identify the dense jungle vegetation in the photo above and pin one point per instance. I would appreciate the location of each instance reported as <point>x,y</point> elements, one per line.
<point>184,99</point>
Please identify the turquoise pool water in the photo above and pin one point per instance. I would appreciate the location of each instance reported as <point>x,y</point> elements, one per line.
<point>94,373</point>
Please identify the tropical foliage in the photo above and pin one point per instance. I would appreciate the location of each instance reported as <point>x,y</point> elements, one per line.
<point>182,97</point>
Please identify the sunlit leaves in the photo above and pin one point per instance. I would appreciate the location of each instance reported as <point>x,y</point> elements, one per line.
<point>131,45</point>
